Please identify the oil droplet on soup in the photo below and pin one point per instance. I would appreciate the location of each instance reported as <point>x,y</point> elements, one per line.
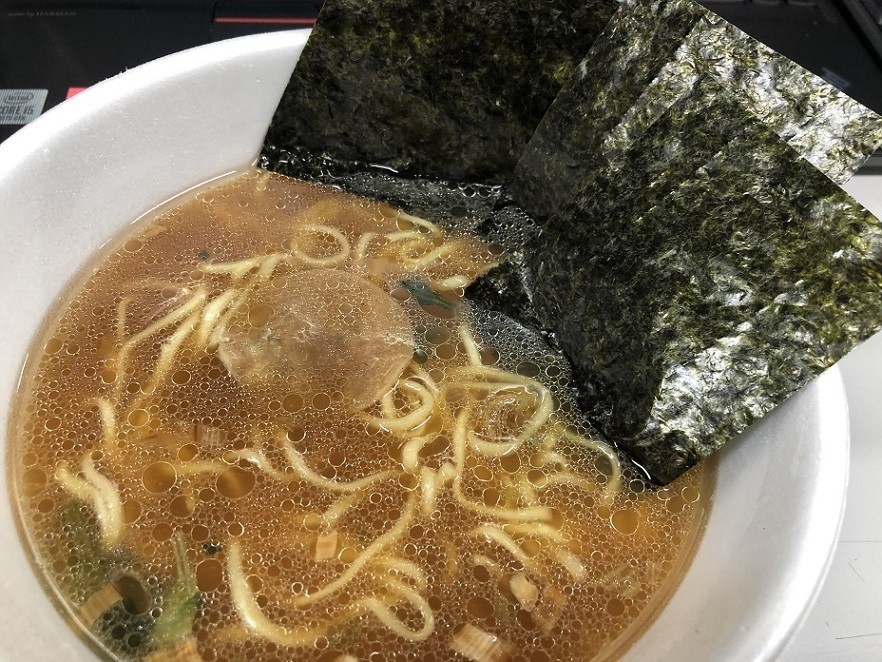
<point>269,427</point>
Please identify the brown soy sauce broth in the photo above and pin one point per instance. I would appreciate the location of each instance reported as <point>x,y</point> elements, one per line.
<point>277,477</point>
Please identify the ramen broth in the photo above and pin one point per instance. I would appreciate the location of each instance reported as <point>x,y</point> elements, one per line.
<point>267,426</point>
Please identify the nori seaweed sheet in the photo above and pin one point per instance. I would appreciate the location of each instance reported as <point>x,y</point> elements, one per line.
<point>696,261</point>
<point>612,77</point>
<point>702,279</point>
<point>647,57</point>
<point>694,257</point>
<point>450,89</point>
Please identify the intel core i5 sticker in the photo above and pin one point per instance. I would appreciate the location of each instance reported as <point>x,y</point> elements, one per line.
<point>21,106</point>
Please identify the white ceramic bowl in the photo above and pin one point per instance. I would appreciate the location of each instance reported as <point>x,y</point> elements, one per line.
<point>72,179</point>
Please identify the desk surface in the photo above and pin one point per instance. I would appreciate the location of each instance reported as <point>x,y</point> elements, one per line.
<point>846,622</point>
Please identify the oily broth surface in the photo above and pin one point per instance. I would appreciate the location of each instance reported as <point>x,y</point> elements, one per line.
<point>628,544</point>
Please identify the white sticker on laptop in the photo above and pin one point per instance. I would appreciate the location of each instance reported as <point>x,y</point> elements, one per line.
<point>21,106</point>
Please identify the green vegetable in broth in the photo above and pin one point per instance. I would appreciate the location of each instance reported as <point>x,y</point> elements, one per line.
<point>425,295</point>
<point>181,602</point>
<point>94,571</point>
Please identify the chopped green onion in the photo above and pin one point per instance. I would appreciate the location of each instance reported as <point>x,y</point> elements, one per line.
<point>180,603</point>
<point>424,295</point>
<point>91,572</point>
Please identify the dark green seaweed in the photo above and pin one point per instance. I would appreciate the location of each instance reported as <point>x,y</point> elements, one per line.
<point>608,82</point>
<point>450,89</point>
<point>696,288</point>
<point>651,54</point>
